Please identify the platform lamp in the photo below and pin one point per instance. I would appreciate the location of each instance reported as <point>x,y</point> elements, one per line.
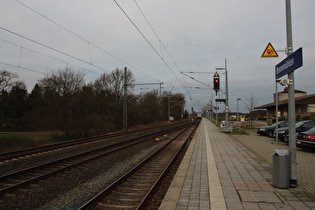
<point>237,117</point>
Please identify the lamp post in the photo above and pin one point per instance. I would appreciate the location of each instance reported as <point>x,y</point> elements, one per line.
<point>237,117</point>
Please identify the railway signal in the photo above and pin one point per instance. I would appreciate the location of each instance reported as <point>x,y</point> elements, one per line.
<point>216,82</point>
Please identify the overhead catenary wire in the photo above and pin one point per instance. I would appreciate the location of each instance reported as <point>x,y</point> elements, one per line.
<point>88,42</point>
<point>21,56</point>
<point>134,68</point>
<point>20,67</point>
<point>146,39</point>
<point>42,54</point>
<point>51,48</point>
<point>88,61</point>
<point>161,43</point>
<point>196,80</point>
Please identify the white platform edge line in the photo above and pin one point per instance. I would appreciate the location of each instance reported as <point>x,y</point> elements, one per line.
<point>217,200</point>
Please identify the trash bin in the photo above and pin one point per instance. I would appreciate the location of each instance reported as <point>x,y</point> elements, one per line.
<point>280,170</point>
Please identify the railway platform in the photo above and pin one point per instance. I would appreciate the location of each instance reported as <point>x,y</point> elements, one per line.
<point>218,172</point>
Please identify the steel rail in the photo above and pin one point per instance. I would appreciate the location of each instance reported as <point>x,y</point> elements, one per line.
<point>141,204</point>
<point>80,156</point>
<point>39,149</point>
<point>93,202</point>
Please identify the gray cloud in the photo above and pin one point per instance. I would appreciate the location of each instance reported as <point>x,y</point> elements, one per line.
<point>199,35</point>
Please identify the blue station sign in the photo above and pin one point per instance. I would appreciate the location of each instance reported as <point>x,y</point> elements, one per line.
<point>292,62</point>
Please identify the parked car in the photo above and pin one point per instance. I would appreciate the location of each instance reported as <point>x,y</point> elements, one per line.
<point>269,130</point>
<point>286,138</point>
<point>306,140</point>
<point>299,126</point>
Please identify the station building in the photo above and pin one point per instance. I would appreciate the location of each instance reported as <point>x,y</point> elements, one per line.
<point>304,104</point>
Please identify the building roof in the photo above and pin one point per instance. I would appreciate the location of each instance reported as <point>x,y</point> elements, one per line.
<point>308,99</point>
<point>286,90</point>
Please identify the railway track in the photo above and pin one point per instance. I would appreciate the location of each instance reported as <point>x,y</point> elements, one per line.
<point>18,179</point>
<point>132,189</point>
<point>40,149</point>
<point>50,147</point>
<point>44,184</point>
<point>19,160</point>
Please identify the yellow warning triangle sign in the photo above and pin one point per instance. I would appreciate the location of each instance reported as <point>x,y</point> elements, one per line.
<point>269,52</point>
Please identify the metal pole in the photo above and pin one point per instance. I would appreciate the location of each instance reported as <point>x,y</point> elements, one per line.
<point>237,111</point>
<point>237,116</point>
<point>125,112</point>
<point>211,108</point>
<point>216,112</point>
<point>160,90</point>
<point>291,101</point>
<point>226,98</point>
<point>169,109</point>
<point>277,120</point>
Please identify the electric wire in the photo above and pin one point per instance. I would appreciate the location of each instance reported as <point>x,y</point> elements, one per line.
<point>146,40</point>
<point>157,36</point>
<point>89,43</point>
<point>20,67</point>
<point>179,70</point>
<point>134,68</point>
<point>42,54</point>
<point>21,56</point>
<point>51,48</point>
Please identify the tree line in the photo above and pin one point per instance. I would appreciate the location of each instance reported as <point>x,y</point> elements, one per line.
<point>64,101</point>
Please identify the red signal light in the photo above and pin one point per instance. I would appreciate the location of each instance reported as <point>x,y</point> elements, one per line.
<point>216,84</point>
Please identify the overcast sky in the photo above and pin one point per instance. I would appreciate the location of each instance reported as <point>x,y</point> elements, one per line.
<point>96,36</point>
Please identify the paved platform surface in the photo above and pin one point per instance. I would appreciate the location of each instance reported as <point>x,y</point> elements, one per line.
<point>219,172</point>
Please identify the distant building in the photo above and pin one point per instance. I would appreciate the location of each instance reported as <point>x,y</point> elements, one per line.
<point>304,104</point>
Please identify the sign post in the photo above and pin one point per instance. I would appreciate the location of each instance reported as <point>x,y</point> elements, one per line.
<point>287,66</point>
<point>291,100</point>
<point>270,52</point>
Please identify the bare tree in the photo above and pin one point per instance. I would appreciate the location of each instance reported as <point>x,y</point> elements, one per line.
<point>110,89</point>
<point>250,105</point>
<point>12,101</point>
<point>59,92</point>
<point>114,82</point>
<point>8,80</point>
<point>173,103</point>
<point>63,82</point>
<point>149,108</point>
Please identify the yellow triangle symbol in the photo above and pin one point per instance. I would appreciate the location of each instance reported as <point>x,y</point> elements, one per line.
<point>269,52</point>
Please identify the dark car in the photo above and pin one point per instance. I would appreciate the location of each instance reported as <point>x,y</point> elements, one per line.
<point>268,130</point>
<point>300,127</point>
<point>306,140</point>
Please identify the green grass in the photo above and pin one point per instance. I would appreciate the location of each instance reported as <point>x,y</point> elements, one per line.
<point>57,138</point>
<point>17,142</point>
